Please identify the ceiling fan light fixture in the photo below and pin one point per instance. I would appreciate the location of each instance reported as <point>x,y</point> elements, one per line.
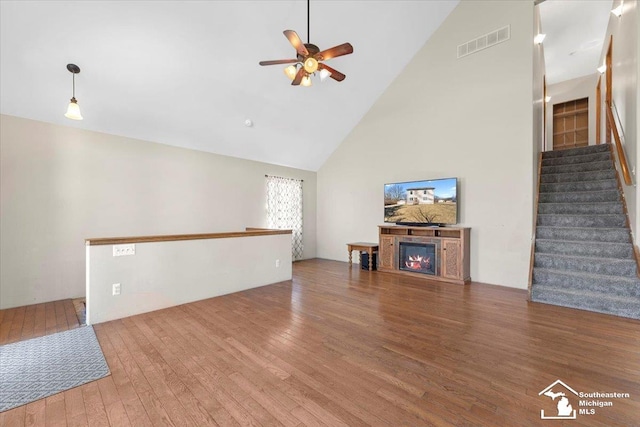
<point>291,71</point>
<point>324,73</point>
<point>310,65</point>
<point>310,59</point>
<point>73,110</point>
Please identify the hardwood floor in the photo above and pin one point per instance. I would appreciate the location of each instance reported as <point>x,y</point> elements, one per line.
<point>22,323</point>
<point>339,346</point>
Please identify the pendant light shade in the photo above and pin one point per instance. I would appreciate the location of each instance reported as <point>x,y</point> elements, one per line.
<point>291,71</point>
<point>73,110</point>
<point>324,73</point>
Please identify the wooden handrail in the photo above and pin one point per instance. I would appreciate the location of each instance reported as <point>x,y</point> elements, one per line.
<point>622,157</point>
<point>170,238</point>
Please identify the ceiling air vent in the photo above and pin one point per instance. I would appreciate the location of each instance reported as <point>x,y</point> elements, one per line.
<point>491,39</point>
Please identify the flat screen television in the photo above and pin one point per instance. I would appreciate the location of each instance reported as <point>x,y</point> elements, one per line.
<point>432,202</point>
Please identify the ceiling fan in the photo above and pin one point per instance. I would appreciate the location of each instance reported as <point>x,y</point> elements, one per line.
<point>310,59</point>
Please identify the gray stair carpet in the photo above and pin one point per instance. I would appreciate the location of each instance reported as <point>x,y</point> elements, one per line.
<point>584,255</point>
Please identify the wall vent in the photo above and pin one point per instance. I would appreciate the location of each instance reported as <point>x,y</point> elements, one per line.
<point>490,39</point>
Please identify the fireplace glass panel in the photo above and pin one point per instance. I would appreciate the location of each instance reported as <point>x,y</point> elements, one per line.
<point>418,257</point>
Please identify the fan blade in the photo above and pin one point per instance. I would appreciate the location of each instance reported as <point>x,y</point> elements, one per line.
<point>296,81</point>
<point>334,52</point>
<point>335,74</point>
<point>279,61</point>
<point>296,42</point>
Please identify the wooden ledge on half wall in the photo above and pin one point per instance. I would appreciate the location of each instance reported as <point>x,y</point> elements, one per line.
<point>249,231</point>
<point>171,270</point>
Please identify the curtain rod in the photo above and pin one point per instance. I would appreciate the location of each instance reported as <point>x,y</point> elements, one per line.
<point>275,176</point>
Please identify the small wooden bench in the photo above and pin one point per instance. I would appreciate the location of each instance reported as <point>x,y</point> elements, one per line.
<point>370,248</point>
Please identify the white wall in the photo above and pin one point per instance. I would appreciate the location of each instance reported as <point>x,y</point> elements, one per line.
<point>443,117</point>
<point>570,90</point>
<point>625,94</point>
<point>165,274</point>
<point>60,185</point>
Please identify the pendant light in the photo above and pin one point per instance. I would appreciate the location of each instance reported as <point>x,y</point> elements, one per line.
<point>73,110</point>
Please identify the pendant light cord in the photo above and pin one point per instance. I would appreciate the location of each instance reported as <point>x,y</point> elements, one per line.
<point>74,85</point>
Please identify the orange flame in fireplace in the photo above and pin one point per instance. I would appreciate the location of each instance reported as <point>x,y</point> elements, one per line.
<point>416,262</point>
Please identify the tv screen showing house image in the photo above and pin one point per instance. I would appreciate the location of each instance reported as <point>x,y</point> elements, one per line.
<point>422,202</point>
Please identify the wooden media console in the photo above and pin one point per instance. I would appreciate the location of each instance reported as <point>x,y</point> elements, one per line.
<point>436,253</point>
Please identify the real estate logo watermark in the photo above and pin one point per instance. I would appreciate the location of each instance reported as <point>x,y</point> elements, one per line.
<point>566,399</point>
<point>563,405</point>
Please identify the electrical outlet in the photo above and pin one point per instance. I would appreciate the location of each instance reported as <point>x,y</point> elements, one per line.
<point>124,250</point>
<point>116,289</point>
<point>277,263</point>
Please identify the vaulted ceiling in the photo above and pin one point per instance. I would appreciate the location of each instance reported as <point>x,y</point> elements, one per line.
<point>186,73</point>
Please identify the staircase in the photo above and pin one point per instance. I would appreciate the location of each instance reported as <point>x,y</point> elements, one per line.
<point>584,256</point>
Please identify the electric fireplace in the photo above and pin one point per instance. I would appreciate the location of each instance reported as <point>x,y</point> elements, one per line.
<point>418,257</point>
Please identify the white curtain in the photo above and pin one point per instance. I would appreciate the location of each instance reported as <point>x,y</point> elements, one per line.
<point>284,209</point>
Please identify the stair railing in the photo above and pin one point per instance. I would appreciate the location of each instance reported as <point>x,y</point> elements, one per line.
<point>624,166</point>
<point>616,114</point>
<point>622,157</point>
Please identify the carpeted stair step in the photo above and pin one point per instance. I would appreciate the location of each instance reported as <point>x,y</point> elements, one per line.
<point>587,249</point>
<point>608,220</point>
<point>599,208</point>
<point>577,167</point>
<point>591,149</point>
<point>578,176</point>
<point>592,265</point>
<point>614,235</point>
<point>597,283</point>
<point>585,158</point>
<point>584,257</point>
<point>580,197</point>
<point>607,304</point>
<point>555,187</point>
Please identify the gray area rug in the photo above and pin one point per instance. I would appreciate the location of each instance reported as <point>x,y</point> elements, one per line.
<point>41,367</point>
